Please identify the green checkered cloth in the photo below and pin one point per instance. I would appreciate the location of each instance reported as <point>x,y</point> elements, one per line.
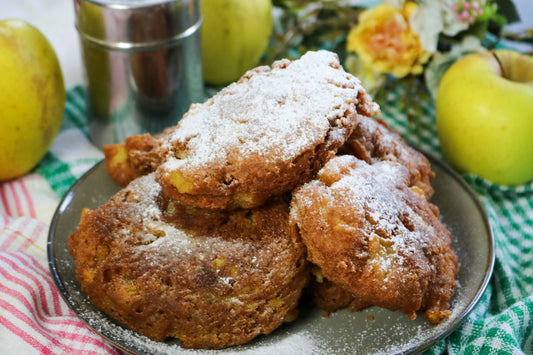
<point>502,323</point>
<point>60,171</point>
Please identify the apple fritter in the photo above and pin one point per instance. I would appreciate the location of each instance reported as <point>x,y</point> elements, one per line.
<point>213,279</point>
<point>259,137</point>
<point>377,237</point>
<point>373,140</point>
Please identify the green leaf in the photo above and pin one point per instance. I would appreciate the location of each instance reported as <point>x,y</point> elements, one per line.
<point>507,9</point>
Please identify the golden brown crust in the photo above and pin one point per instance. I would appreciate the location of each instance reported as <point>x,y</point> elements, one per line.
<point>139,155</point>
<point>143,152</point>
<point>376,237</point>
<point>257,138</point>
<point>373,140</point>
<point>329,296</point>
<point>263,135</point>
<point>211,279</point>
<point>117,164</point>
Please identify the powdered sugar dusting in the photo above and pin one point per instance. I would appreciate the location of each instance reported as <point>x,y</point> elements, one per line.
<point>274,114</point>
<point>143,194</point>
<point>343,332</point>
<point>148,193</point>
<point>164,238</point>
<point>371,331</point>
<point>375,188</point>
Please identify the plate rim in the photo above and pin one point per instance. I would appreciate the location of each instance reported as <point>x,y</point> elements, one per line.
<point>67,197</point>
<point>426,344</point>
<point>492,251</point>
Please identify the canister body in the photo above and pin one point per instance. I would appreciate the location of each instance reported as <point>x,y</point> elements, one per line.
<point>142,61</point>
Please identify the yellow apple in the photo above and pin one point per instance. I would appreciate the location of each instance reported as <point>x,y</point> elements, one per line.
<point>32,97</point>
<point>484,116</point>
<point>235,34</point>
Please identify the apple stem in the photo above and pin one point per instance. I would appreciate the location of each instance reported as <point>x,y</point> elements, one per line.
<point>504,74</point>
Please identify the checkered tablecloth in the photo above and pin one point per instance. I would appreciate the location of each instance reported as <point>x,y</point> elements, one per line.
<point>35,320</point>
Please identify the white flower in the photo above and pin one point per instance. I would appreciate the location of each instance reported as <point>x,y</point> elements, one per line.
<point>430,19</point>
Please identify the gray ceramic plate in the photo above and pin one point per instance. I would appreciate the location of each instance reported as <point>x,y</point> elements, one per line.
<point>372,330</point>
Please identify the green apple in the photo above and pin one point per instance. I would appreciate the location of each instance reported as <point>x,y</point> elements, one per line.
<point>32,97</point>
<point>484,116</point>
<point>235,34</point>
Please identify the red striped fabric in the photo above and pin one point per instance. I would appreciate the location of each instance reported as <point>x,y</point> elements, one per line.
<point>31,308</point>
<point>28,199</point>
<point>22,234</point>
<point>15,199</point>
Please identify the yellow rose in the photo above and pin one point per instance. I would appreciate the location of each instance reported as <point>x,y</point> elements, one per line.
<point>385,42</point>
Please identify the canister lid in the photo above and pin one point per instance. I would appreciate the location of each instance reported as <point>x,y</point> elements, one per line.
<point>136,24</point>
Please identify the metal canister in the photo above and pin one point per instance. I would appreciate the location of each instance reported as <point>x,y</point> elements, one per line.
<point>142,61</point>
